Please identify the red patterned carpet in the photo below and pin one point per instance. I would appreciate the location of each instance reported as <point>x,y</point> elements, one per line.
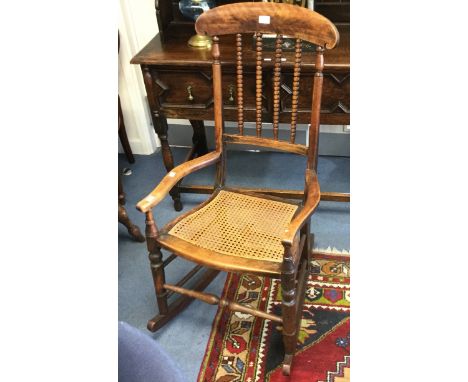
<point>245,348</point>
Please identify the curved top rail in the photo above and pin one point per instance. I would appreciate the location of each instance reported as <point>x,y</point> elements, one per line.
<point>266,17</point>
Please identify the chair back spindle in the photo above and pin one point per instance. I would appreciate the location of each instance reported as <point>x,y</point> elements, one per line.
<point>277,84</point>
<point>240,85</point>
<point>295,89</point>
<point>258,84</point>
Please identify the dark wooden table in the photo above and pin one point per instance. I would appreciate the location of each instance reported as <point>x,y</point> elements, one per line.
<point>179,85</point>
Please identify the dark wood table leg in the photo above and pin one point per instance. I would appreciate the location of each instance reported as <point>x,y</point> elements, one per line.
<point>122,200</point>
<point>124,138</point>
<point>132,229</point>
<point>160,126</point>
<point>199,137</point>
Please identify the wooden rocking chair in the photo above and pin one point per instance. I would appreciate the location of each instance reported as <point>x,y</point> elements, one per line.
<point>237,230</point>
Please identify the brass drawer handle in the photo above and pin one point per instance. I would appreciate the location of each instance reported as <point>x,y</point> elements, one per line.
<point>189,92</point>
<point>231,93</point>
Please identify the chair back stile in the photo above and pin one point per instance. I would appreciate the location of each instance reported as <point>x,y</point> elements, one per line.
<point>259,19</point>
<point>312,155</point>
<point>218,112</point>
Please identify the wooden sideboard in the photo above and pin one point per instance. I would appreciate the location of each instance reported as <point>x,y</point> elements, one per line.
<point>179,85</point>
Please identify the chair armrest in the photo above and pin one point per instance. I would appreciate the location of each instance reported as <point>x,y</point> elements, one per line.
<point>311,203</point>
<point>172,177</point>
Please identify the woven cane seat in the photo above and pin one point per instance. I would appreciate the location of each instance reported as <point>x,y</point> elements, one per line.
<point>238,225</point>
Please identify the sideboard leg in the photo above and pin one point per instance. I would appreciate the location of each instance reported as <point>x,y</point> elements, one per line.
<point>124,138</point>
<point>160,126</point>
<point>132,229</point>
<point>199,137</point>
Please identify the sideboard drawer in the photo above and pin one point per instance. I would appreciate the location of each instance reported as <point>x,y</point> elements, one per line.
<point>248,97</point>
<point>183,89</point>
<point>230,88</point>
<point>335,97</point>
<point>190,93</point>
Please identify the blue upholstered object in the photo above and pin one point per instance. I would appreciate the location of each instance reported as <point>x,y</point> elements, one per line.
<point>141,359</point>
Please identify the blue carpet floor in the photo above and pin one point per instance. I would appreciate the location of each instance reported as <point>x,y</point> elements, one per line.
<point>185,337</point>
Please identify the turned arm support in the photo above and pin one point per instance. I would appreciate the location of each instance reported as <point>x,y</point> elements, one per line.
<point>174,176</point>
<point>311,203</point>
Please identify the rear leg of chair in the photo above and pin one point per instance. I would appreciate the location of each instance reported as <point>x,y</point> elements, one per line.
<point>309,243</point>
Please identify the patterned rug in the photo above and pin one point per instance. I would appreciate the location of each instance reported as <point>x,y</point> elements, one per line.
<point>246,348</point>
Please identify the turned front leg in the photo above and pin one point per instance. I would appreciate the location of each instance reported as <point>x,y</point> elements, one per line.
<point>156,263</point>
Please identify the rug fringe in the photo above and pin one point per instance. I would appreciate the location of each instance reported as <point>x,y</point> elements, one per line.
<point>332,251</point>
